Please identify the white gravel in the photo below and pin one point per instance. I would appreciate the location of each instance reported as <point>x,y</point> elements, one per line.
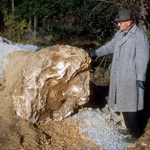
<point>100,130</point>
<point>6,47</point>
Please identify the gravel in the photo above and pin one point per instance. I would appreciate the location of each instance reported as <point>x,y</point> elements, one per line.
<point>25,47</point>
<point>103,132</point>
<point>7,46</point>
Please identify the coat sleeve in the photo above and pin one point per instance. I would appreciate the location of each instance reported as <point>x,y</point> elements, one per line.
<point>108,48</point>
<point>142,55</point>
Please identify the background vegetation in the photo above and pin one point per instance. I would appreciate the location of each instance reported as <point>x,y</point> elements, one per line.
<point>64,20</point>
<point>83,23</point>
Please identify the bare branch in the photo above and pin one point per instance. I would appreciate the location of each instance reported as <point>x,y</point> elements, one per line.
<point>107,1</point>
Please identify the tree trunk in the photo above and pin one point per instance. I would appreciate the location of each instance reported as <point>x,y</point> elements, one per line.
<point>35,25</point>
<point>30,19</point>
<point>12,7</point>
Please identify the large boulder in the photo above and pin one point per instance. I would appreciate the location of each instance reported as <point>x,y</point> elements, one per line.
<point>47,84</point>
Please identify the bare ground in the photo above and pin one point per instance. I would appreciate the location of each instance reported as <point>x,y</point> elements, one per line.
<point>18,134</point>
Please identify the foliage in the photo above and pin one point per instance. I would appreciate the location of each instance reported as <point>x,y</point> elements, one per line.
<point>52,21</point>
<point>148,32</point>
<point>85,19</point>
<point>16,29</point>
<point>99,22</point>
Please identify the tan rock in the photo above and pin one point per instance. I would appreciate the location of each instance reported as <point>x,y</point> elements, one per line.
<point>48,84</point>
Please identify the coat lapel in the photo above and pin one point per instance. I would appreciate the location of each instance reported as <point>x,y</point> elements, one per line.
<point>125,38</point>
<point>129,34</point>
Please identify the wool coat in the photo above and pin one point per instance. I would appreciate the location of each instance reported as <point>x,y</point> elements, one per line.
<point>130,59</point>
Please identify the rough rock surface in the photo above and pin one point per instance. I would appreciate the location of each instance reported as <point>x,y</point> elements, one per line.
<point>48,84</point>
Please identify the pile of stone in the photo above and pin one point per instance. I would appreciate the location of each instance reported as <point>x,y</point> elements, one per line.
<point>7,46</point>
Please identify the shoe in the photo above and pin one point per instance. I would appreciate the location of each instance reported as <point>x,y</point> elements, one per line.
<point>130,139</point>
<point>123,132</point>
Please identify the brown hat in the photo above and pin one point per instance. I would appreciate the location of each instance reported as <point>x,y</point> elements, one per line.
<point>123,15</point>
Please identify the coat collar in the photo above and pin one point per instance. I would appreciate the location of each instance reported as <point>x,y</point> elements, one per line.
<point>129,34</point>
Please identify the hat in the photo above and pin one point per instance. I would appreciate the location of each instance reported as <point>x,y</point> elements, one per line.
<point>123,15</point>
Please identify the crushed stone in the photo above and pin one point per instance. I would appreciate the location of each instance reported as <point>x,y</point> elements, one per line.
<point>19,46</point>
<point>7,46</point>
<point>99,129</point>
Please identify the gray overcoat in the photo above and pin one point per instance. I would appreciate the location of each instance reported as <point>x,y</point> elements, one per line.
<point>130,59</point>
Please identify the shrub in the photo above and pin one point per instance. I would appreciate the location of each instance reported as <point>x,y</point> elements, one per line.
<point>15,29</point>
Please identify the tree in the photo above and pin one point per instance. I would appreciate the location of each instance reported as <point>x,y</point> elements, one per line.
<point>99,22</point>
<point>12,6</point>
<point>91,19</point>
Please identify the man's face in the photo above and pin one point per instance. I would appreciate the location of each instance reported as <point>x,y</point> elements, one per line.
<point>125,25</point>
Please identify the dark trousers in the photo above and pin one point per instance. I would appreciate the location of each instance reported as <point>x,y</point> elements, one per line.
<point>132,122</point>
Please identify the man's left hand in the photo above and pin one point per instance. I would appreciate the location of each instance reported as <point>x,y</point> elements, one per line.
<point>92,54</point>
<point>141,84</point>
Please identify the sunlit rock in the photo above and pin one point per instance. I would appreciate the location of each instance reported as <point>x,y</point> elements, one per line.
<point>48,84</point>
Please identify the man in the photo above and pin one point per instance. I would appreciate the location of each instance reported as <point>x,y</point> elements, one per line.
<point>130,49</point>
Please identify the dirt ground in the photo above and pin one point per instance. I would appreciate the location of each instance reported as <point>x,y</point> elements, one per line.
<point>18,134</point>
<point>144,142</point>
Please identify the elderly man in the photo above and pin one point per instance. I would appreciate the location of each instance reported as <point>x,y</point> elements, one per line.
<point>130,49</point>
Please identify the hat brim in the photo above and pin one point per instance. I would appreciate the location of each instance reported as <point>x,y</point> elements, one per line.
<point>119,19</point>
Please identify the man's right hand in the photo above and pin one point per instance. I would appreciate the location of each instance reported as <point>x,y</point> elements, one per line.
<point>92,54</point>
